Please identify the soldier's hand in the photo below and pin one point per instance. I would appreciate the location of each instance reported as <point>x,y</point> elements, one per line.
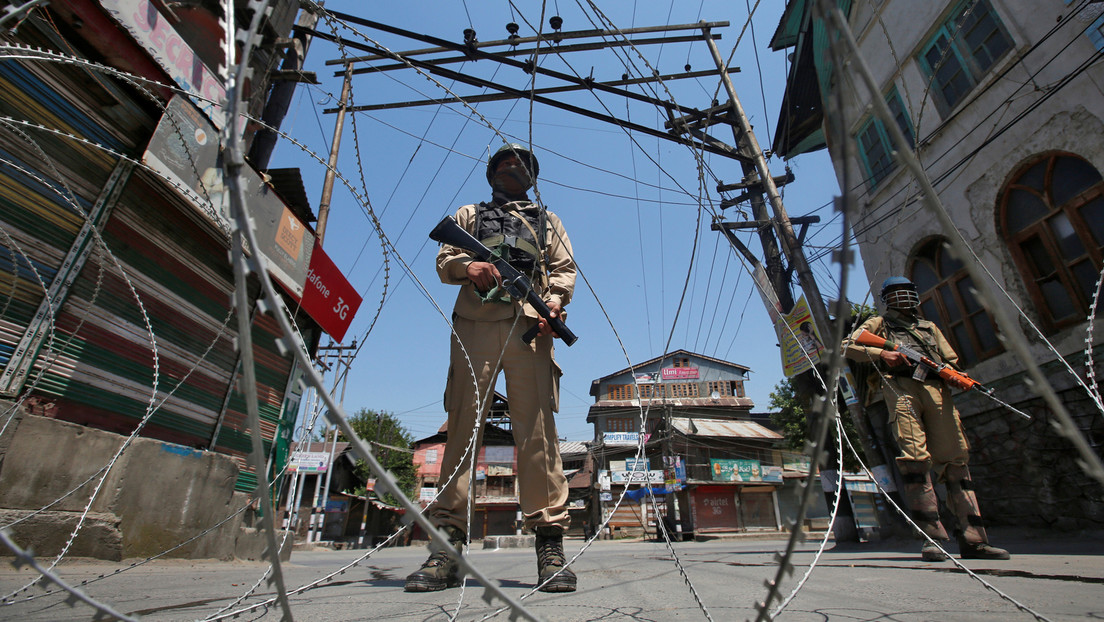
<point>483,275</point>
<point>893,358</point>
<point>555,311</point>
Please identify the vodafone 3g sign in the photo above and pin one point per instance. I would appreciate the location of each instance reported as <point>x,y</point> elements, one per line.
<point>328,297</point>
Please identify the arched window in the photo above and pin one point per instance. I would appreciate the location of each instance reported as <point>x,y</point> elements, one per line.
<point>946,299</point>
<point>1052,218</point>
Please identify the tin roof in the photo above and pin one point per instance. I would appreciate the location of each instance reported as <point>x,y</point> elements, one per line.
<point>570,448</point>
<point>725,428</point>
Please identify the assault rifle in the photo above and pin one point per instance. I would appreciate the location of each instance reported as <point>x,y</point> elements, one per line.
<point>925,365</point>
<point>517,284</point>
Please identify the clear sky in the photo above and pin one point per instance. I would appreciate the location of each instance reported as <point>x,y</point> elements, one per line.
<point>654,277</point>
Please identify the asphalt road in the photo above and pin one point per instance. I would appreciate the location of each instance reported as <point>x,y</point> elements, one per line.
<point>1049,577</point>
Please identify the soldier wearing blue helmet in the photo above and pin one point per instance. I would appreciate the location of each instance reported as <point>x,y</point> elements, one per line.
<point>924,422</point>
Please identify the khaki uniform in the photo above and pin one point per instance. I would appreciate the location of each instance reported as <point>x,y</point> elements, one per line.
<point>489,334</point>
<point>925,424</point>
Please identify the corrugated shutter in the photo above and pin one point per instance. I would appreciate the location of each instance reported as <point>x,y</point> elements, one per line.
<point>46,182</point>
<point>629,515</point>
<point>166,272</point>
<point>97,367</point>
<point>714,508</point>
<point>272,374</point>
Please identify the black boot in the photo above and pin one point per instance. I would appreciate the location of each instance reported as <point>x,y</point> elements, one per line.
<point>439,571</point>
<point>551,561</point>
<point>979,550</point>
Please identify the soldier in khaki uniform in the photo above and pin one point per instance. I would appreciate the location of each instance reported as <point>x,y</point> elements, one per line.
<point>925,422</point>
<point>488,339</point>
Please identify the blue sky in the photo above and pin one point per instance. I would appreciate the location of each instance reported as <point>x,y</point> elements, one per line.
<point>630,201</point>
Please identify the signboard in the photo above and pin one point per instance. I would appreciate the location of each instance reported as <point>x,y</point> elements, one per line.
<point>185,149</point>
<point>799,339</point>
<point>426,494</point>
<point>772,474</point>
<point>281,237</point>
<point>674,472</point>
<point>635,477</point>
<point>623,438</point>
<point>636,464</point>
<point>328,297</point>
<point>725,470</point>
<point>846,384</point>
<point>649,378</point>
<point>679,373</point>
<point>795,462</point>
<point>154,33</point>
<point>308,462</point>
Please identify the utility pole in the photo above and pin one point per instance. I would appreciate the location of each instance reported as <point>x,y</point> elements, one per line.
<point>331,168</point>
<point>283,88</point>
<point>668,462</point>
<point>749,146</point>
<point>322,492</point>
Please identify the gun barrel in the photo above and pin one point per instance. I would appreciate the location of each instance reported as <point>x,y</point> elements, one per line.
<point>869,339</point>
<point>448,231</point>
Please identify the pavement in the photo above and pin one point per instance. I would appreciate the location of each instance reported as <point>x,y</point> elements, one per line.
<point>1050,577</point>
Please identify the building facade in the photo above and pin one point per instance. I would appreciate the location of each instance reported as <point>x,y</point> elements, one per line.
<point>116,311</point>
<point>1002,103</point>
<point>495,483</point>
<point>680,425</point>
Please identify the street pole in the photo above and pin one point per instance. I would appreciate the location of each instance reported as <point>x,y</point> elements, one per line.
<point>672,496</point>
<point>331,167</point>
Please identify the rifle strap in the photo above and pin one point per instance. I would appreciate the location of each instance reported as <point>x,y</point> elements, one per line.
<point>920,340</point>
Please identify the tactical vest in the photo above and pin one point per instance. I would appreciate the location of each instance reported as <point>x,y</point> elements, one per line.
<point>921,338</point>
<point>500,229</point>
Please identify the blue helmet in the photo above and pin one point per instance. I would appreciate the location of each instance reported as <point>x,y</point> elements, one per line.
<point>900,293</point>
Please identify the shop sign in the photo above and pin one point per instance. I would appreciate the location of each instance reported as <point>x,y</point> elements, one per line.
<point>772,474</point>
<point>153,32</point>
<point>679,373</point>
<point>795,462</point>
<point>308,462</point>
<point>882,475</point>
<point>623,438</point>
<point>185,149</point>
<point>637,477</point>
<point>725,470</point>
<point>328,297</point>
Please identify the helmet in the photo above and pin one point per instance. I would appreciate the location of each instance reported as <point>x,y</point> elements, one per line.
<point>900,293</point>
<point>522,153</point>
